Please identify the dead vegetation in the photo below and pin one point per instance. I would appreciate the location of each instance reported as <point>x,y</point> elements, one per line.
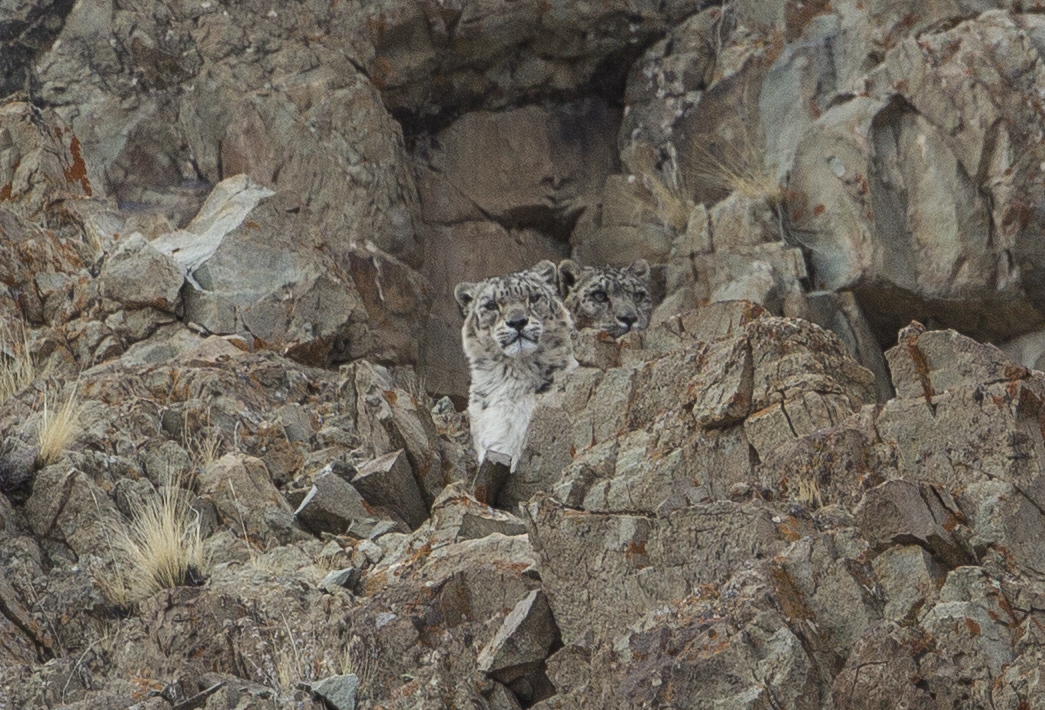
<point>59,425</point>
<point>17,368</point>
<point>160,548</point>
<point>284,656</point>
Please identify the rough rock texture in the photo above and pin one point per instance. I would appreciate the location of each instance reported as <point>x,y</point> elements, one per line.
<point>229,235</point>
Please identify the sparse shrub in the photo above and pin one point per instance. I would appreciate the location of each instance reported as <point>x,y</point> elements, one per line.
<point>161,547</point>
<point>204,444</point>
<point>674,204</point>
<point>17,368</point>
<point>59,426</point>
<point>284,657</point>
<point>738,166</point>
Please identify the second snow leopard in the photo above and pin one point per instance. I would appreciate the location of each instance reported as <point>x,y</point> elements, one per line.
<point>613,300</point>
<point>516,336</point>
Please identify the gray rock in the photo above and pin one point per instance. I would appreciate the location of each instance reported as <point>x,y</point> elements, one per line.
<point>899,512</point>
<point>388,482</point>
<point>879,670</point>
<point>339,690</point>
<point>240,487</point>
<point>937,361</point>
<point>390,417</point>
<point>644,561</point>
<point>334,506</point>
<point>138,274</point>
<point>523,642</point>
<point>910,578</point>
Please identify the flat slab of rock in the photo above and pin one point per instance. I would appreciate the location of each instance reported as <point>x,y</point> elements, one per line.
<point>523,641</point>
<point>334,506</point>
<point>388,482</point>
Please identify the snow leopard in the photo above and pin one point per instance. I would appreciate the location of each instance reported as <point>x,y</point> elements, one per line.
<point>613,300</point>
<point>516,336</point>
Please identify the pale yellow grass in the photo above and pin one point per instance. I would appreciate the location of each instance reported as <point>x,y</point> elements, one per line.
<point>203,444</point>
<point>59,426</point>
<point>288,657</point>
<point>17,368</point>
<point>741,170</point>
<point>674,205</point>
<point>161,544</point>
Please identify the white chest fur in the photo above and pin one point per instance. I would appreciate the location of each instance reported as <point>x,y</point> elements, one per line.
<point>500,408</point>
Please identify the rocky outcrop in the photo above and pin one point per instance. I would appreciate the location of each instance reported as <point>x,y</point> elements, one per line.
<point>229,235</point>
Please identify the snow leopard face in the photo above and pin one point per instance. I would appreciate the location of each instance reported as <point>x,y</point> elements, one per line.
<point>613,300</point>
<point>514,315</point>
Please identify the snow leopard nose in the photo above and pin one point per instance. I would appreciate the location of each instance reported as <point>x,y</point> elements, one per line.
<point>627,320</point>
<point>518,323</point>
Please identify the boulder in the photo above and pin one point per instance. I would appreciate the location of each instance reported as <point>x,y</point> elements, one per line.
<point>902,512</point>
<point>388,482</point>
<point>269,281</point>
<point>334,506</point>
<point>643,561</point>
<point>523,642</point>
<point>246,500</point>
<point>138,275</point>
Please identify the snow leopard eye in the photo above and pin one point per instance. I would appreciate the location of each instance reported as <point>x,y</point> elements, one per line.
<point>490,305</point>
<point>535,297</point>
<point>641,295</point>
<point>598,296</point>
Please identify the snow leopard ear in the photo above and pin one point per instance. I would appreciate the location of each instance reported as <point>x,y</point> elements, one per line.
<point>569,275</point>
<point>465,294</point>
<point>547,272</point>
<point>639,269</point>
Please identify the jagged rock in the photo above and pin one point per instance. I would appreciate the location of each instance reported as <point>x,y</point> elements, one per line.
<point>246,499</point>
<point>937,361</point>
<point>824,581</point>
<point>880,670</point>
<point>804,380</point>
<point>391,417</point>
<point>388,482</point>
<point>523,642</point>
<point>902,512</point>
<point>469,51</point>
<point>139,275</point>
<point>974,631</point>
<point>334,506</point>
<point>457,516</point>
<point>42,162</point>
<point>67,505</point>
<point>345,578</point>
<point>970,434</point>
<point>338,691</point>
<point>528,165</point>
<point>910,577</point>
<point>643,561</point>
<point>269,281</point>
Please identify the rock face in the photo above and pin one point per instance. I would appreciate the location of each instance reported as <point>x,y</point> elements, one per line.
<point>229,237</point>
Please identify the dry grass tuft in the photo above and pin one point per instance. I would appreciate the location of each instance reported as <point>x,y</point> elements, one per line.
<point>205,444</point>
<point>17,368</point>
<point>741,169</point>
<point>285,658</point>
<point>58,426</point>
<point>162,546</point>
<point>807,491</point>
<point>674,204</point>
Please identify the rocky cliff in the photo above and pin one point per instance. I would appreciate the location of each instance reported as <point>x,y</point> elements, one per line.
<point>233,469</point>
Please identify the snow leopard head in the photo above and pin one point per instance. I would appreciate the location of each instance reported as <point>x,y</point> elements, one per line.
<point>613,300</point>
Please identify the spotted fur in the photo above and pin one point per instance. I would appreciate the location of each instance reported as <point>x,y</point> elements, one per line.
<point>516,336</point>
<point>613,300</point>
